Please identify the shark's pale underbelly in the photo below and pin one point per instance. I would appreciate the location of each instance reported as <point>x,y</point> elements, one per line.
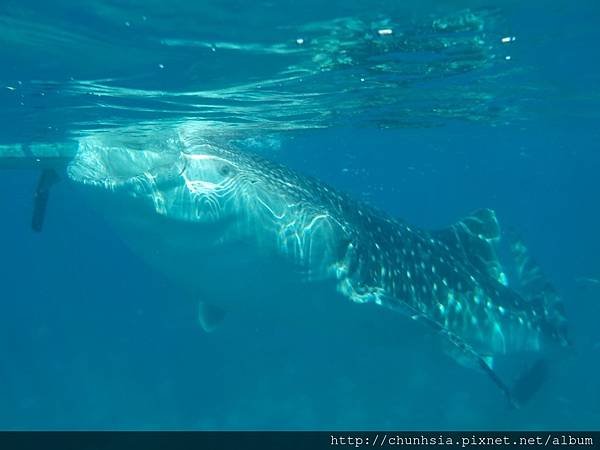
<point>256,286</point>
<point>224,263</point>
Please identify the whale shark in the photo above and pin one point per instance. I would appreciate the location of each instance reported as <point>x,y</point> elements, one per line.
<point>200,212</point>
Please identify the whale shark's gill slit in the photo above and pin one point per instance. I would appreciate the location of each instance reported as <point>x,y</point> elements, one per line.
<point>215,199</point>
<point>211,201</point>
<point>269,209</point>
<point>206,204</point>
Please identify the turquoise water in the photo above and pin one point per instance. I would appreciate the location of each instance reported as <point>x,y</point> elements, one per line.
<point>423,109</point>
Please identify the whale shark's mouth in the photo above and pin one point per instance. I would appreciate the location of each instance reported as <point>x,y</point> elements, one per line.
<point>99,162</point>
<point>191,186</point>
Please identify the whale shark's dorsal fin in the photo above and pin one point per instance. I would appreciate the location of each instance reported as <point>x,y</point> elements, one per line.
<point>474,238</point>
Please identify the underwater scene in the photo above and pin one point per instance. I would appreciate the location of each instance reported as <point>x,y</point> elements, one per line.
<point>299,215</point>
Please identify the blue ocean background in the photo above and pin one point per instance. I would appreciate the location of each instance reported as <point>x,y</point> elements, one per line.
<point>427,110</point>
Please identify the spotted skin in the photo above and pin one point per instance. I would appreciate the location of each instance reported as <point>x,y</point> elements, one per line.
<point>449,279</point>
<point>396,265</point>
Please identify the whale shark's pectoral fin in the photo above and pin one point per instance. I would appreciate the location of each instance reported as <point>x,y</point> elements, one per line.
<point>210,316</point>
<point>527,384</point>
<point>468,355</point>
<point>46,180</point>
<point>463,352</point>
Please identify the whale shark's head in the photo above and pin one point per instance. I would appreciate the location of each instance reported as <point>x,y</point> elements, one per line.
<point>198,183</point>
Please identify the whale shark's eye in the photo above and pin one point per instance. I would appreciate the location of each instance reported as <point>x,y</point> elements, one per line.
<point>225,169</point>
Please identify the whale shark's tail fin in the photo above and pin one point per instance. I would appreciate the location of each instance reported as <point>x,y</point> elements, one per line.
<point>530,381</point>
<point>528,279</point>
